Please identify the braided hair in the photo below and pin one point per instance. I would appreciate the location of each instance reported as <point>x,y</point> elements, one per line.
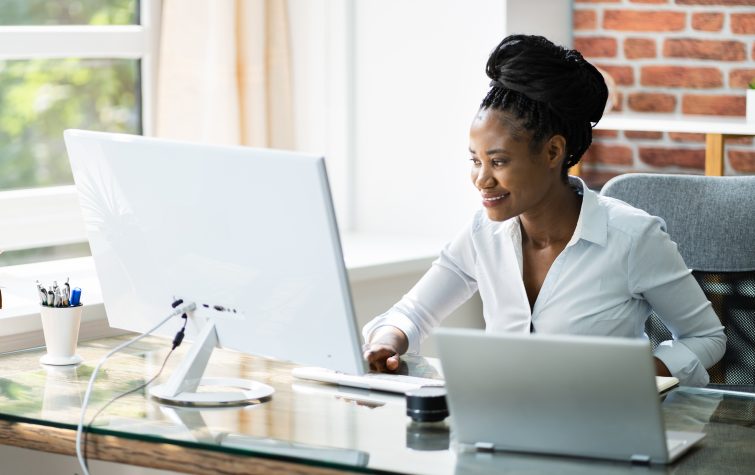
<point>550,89</point>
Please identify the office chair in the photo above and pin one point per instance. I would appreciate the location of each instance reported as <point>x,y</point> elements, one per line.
<point>712,219</point>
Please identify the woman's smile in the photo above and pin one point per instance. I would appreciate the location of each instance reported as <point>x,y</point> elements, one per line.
<point>490,200</point>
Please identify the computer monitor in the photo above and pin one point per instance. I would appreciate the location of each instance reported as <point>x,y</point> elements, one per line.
<point>247,234</point>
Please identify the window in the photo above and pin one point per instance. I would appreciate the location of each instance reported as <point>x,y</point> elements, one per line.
<point>76,64</point>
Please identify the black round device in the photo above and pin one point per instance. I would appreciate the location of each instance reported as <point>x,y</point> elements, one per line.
<point>427,404</point>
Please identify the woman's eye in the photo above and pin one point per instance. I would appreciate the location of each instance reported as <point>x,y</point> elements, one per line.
<point>500,163</point>
<point>475,161</point>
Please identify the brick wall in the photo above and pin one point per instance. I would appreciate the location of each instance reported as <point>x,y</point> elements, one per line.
<point>668,56</point>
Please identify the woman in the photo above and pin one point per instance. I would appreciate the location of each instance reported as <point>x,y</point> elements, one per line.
<point>547,254</point>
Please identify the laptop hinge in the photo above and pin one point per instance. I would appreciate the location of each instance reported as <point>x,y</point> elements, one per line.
<point>644,459</point>
<point>484,446</point>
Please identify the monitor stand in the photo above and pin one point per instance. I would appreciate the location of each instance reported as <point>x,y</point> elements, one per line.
<point>182,388</point>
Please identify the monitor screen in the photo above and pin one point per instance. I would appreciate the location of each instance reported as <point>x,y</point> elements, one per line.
<point>247,234</point>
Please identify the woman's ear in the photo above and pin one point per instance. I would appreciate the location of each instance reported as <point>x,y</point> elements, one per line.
<point>556,151</point>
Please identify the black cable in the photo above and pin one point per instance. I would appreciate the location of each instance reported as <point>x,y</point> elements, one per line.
<point>176,343</point>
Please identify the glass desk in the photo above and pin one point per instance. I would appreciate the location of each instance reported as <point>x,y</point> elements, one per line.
<point>305,427</point>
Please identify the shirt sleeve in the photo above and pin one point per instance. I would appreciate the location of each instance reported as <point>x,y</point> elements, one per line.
<point>448,284</point>
<point>658,274</point>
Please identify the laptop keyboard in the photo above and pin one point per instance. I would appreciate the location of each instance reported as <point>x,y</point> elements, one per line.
<point>395,383</point>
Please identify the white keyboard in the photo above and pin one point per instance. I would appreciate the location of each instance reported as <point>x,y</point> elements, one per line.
<point>394,383</point>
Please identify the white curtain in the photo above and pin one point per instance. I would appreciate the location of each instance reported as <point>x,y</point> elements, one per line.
<point>225,73</point>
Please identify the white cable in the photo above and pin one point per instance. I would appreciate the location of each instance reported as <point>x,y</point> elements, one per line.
<point>80,429</point>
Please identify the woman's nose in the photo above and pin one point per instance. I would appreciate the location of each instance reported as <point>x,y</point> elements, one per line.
<point>483,179</point>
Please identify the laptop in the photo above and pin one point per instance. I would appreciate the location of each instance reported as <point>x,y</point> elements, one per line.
<point>553,394</point>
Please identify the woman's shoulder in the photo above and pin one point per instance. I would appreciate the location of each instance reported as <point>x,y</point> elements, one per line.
<point>628,219</point>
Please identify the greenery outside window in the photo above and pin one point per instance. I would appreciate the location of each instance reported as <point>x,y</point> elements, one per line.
<point>77,64</point>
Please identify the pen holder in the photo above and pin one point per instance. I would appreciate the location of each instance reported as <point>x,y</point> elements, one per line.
<point>60,326</point>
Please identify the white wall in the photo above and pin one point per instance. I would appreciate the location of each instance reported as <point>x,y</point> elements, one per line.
<point>420,76</point>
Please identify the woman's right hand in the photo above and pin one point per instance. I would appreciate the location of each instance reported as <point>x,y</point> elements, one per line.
<point>383,350</point>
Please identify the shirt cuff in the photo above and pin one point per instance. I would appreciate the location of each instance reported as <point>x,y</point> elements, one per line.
<point>398,320</point>
<point>682,363</point>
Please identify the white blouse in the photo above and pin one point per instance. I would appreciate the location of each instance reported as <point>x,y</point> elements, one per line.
<point>619,264</point>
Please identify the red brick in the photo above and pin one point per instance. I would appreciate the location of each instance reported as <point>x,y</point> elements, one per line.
<point>738,140</point>
<point>595,179</point>
<point>651,102</point>
<point>622,75</point>
<point>713,105</point>
<point>637,134</point>
<point>632,20</point>
<point>608,154</point>
<point>605,134</point>
<point>686,137</point>
<point>708,21</point>
<point>585,20</point>
<point>596,46</point>
<point>714,2</point>
<point>681,76</point>
<point>699,138</point>
<point>740,78</point>
<point>704,49</point>
<point>742,161</point>
<point>635,48</point>
<point>743,23</point>
<point>669,157</point>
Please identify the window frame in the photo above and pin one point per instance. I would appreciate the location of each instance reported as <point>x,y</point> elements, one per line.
<point>49,216</point>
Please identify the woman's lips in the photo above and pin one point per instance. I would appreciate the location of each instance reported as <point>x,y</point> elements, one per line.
<point>491,200</point>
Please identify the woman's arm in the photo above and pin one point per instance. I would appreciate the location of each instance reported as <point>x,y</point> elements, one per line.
<point>449,283</point>
<point>658,273</point>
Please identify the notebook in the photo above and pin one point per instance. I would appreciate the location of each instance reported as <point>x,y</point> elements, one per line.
<point>555,394</point>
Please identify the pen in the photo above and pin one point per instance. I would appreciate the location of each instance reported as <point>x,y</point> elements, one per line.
<point>41,294</point>
<point>75,297</point>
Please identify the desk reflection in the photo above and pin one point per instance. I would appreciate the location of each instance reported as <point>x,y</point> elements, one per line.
<point>472,463</point>
<point>193,421</point>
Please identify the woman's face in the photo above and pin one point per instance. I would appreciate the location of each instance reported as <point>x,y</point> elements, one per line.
<point>511,178</point>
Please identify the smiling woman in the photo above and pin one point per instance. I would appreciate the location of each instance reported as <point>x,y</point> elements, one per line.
<point>547,254</point>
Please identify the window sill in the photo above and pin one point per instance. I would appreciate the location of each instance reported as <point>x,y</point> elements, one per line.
<point>368,257</point>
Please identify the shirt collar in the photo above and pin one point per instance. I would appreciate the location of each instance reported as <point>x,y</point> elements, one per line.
<point>592,224</point>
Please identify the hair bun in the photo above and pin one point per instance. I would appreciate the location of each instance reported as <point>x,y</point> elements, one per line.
<point>545,72</point>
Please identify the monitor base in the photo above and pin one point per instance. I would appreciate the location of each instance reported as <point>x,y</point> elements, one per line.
<point>247,392</point>
<point>184,387</point>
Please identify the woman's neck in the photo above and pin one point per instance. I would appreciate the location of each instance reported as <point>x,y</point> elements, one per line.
<point>554,219</point>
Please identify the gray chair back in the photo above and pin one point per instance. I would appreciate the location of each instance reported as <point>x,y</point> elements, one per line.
<point>712,220</point>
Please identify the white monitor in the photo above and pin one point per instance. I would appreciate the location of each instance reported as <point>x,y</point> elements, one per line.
<point>247,234</point>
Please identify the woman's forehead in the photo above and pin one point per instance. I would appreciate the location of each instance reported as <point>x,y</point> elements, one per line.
<point>500,123</point>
